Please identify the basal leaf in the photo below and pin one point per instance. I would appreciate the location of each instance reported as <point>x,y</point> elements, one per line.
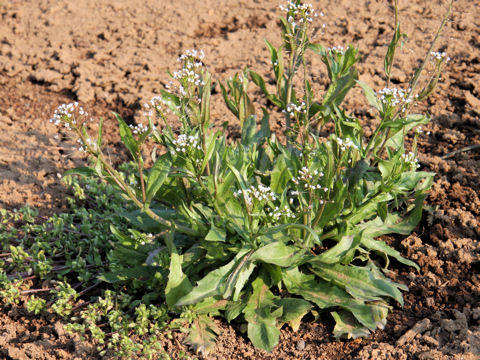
<point>278,253</point>
<point>347,326</point>
<point>262,330</point>
<point>178,284</point>
<point>358,281</point>
<point>216,233</point>
<point>239,277</point>
<point>383,248</point>
<point>212,284</point>
<point>326,295</point>
<point>337,252</point>
<point>234,309</point>
<point>202,335</point>
<point>294,310</point>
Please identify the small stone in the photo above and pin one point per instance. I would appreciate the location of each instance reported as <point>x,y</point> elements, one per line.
<point>300,345</point>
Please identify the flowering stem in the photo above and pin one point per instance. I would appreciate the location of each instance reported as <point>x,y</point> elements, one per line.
<point>116,177</point>
<point>418,72</point>
<point>396,27</point>
<point>288,123</point>
<point>142,181</point>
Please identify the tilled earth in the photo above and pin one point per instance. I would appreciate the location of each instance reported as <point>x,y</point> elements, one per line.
<point>113,55</point>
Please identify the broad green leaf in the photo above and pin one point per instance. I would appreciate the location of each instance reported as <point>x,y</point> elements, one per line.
<point>347,326</point>
<point>408,180</point>
<point>358,281</point>
<point>210,306</point>
<point>339,88</point>
<point>139,272</point>
<point>326,295</point>
<point>337,252</point>
<point>239,277</point>
<point>234,309</point>
<point>205,105</point>
<point>294,310</point>
<point>156,177</point>
<point>280,228</point>
<point>278,253</point>
<point>262,329</point>
<point>126,136</point>
<point>370,95</point>
<point>212,284</point>
<point>248,131</point>
<point>202,335</point>
<point>368,208</point>
<point>242,278</point>
<point>281,175</point>
<point>178,284</point>
<point>408,123</point>
<point>230,103</point>
<point>216,233</point>
<point>211,142</point>
<point>383,248</point>
<point>142,221</point>
<point>258,80</point>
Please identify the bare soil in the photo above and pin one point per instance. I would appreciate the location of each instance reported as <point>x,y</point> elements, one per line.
<point>113,55</point>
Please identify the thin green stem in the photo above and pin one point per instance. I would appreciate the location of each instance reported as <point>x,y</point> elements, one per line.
<point>418,72</point>
<point>142,181</point>
<point>396,26</point>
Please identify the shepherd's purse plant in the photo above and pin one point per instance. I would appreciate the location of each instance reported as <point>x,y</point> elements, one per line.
<point>267,228</point>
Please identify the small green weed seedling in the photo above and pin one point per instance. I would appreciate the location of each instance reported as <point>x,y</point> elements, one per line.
<point>260,231</point>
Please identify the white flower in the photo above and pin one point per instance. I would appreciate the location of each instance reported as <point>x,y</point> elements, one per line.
<point>439,56</point>
<point>66,113</point>
<point>186,143</point>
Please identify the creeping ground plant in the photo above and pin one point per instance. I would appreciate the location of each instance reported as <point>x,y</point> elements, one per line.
<point>270,227</point>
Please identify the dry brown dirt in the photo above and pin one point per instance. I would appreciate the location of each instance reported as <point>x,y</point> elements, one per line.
<point>113,55</point>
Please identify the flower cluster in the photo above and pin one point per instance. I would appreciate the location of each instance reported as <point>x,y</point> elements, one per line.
<point>278,213</point>
<point>66,113</point>
<point>419,131</point>
<point>191,53</point>
<point>439,56</point>
<point>259,193</point>
<point>189,73</point>
<point>393,96</point>
<point>298,11</point>
<point>337,50</point>
<point>184,143</point>
<point>345,144</point>
<point>158,105</point>
<point>411,160</point>
<point>309,179</point>
<point>292,108</point>
<point>139,129</point>
<point>84,147</point>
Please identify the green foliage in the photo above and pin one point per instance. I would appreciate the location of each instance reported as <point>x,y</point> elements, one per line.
<point>257,230</point>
